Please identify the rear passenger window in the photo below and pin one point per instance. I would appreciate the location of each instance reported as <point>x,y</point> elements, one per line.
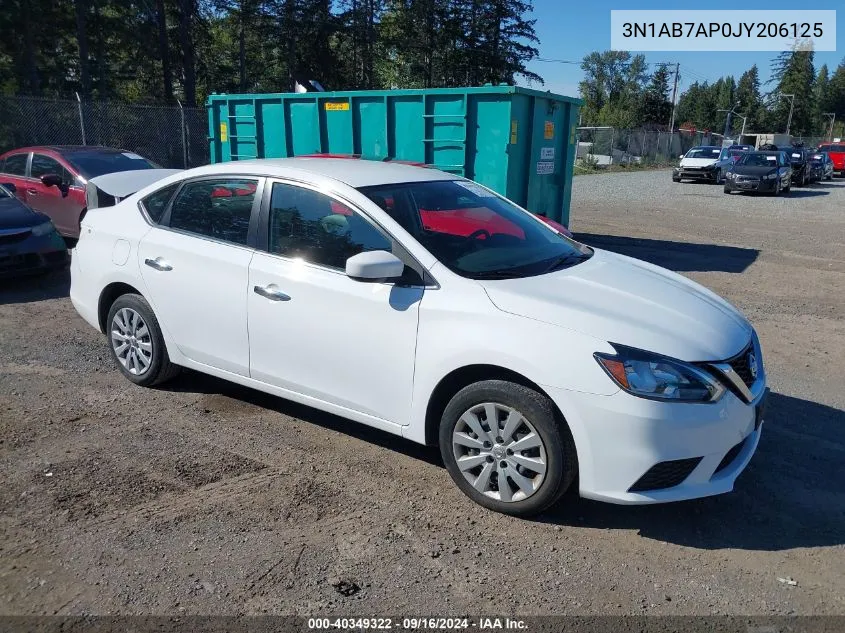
<point>218,208</point>
<point>156,203</point>
<point>15,165</point>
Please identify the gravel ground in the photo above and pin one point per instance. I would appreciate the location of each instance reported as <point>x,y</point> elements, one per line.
<point>208,498</point>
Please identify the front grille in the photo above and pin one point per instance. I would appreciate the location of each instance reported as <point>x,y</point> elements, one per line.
<point>13,238</point>
<point>728,459</point>
<point>665,474</point>
<point>740,365</point>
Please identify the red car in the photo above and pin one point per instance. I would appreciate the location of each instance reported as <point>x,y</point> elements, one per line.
<point>52,179</point>
<point>836,151</point>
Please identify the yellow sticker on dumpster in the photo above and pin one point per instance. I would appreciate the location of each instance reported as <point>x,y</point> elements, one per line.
<point>549,130</point>
<point>514,129</point>
<point>224,133</point>
<point>336,107</point>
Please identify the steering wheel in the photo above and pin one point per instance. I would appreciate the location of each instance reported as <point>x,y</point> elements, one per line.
<point>478,233</point>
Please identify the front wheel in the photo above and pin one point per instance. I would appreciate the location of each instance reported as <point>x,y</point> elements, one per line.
<point>136,343</point>
<point>720,178</point>
<point>505,447</point>
<point>726,189</point>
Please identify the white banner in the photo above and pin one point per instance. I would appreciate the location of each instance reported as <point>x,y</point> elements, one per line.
<point>722,30</point>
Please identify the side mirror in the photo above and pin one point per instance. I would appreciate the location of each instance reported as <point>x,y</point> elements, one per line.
<point>681,156</point>
<point>9,186</point>
<point>51,180</point>
<point>374,266</point>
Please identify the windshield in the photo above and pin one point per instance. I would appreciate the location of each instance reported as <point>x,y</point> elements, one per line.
<point>474,232</point>
<point>93,163</point>
<point>832,148</point>
<point>758,160</point>
<point>704,152</point>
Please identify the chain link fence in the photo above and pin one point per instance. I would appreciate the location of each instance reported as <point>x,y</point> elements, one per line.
<point>605,146</point>
<point>171,136</point>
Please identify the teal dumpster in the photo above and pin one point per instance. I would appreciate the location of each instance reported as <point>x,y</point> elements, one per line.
<point>518,142</point>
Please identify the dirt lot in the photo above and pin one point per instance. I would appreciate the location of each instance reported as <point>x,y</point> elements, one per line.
<point>209,498</point>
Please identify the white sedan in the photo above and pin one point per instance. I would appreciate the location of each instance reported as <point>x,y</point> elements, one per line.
<point>425,305</point>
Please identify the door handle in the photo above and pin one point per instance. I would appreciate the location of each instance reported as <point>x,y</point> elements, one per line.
<point>271,292</point>
<point>159,264</point>
<point>32,192</point>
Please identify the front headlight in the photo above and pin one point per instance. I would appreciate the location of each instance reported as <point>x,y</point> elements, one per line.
<point>770,176</point>
<point>43,229</point>
<point>648,375</point>
<point>729,175</point>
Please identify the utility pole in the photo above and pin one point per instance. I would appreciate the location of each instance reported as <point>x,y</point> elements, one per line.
<point>832,116</point>
<point>728,119</point>
<point>674,93</point>
<point>791,105</point>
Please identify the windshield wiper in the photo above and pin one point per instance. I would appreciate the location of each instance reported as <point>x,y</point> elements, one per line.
<point>495,274</point>
<point>566,260</point>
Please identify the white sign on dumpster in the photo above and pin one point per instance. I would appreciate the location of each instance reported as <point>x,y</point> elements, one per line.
<point>545,167</point>
<point>547,153</point>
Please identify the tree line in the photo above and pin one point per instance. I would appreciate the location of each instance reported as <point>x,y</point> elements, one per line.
<point>620,90</point>
<point>161,50</point>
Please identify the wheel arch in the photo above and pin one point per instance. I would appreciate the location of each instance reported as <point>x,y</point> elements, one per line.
<point>462,377</point>
<point>108,296</point>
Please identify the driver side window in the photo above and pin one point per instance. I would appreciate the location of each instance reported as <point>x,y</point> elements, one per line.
<point>43,165</point>
<point>310,225</point>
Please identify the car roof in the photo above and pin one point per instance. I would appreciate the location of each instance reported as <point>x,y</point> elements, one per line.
<point>706,147</point>
<point>66,149</point>
<point>352,172</point>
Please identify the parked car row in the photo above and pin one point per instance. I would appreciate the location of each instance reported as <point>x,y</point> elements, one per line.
<point>767,170</point>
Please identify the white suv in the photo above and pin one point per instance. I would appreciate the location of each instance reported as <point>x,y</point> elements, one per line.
<point>425,305</point>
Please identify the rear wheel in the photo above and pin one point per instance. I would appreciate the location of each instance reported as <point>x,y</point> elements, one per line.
<point>136,343</point>
<point>505,447</point>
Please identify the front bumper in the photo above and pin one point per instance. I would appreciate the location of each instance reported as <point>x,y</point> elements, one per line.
<point>33,255</point>
<point>690,173</point>
<point>621,439</point>
<point>758,185</point>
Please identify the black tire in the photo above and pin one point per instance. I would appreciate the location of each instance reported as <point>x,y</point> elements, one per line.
<point>675,179</point>
<point>720,178</point>
<point>160,368</point>
<point>776,192</point>
<point>726,189</point>
<point>538,410</point>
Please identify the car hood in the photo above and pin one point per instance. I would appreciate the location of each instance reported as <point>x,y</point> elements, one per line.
<point>753,171</point>
<point>698,162</point>
<point>623,300</point>
<point>14,214</point>
<point>124,183</point>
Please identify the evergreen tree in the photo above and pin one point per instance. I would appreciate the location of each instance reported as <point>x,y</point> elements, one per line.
<point>656,108</point>
<point>793,73</point>
<point>750,101</point>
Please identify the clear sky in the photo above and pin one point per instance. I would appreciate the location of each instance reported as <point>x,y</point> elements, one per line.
<point>569,29</point>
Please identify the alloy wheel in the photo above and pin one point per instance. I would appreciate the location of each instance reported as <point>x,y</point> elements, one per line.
<point>499,452</point>
<point>131,341</point>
